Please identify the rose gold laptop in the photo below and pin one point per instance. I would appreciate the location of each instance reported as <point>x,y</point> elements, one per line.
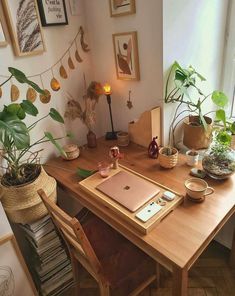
<point>128,190</point>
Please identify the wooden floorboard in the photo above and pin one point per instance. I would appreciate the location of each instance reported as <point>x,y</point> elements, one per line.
<point>210,276</point>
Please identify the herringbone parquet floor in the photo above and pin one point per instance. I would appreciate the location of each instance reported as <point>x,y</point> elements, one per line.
<point>210,276</point>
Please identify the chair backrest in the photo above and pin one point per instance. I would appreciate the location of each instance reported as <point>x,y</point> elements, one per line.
<point>74,236</point>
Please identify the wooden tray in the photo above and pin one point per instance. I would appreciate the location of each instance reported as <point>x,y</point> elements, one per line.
<point>91,182</point>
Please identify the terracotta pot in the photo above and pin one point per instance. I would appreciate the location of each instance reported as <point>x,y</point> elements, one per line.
<point>195,135</point>
<point>23,204</point>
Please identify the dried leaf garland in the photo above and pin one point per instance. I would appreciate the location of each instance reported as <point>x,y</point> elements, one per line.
<point>55,85</point>
<point>46,97</point>
<point>77,57</point>
<point>31,94</point>
<point>71,64</point>
<point>15,93</point>
<point>83,43</point>
<point>63,72</point>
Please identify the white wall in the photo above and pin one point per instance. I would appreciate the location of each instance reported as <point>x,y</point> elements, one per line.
<point>145,93</point>
<point>194,34</point>
<point>57,40</point>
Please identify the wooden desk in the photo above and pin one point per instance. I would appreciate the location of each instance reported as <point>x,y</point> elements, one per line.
<point>182,236</point>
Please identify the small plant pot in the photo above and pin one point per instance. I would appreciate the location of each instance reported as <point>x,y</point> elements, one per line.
<point>123,139</point>
<point>72,151</point>
<point>168,161</point>
<point>192,157</point>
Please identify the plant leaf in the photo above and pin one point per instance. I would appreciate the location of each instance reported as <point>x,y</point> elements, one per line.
<point>17,131</point>
<point>49,136</point>
<point>232,128</point>
<point>56,115</point>
<point>82,173</point>
<point>203,121</point>
<point>29,108</point>
<point>21,78</point>
<point>221,116</point>
<point>219,98</point>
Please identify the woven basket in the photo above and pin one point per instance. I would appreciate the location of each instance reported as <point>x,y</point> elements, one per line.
<point>168,161</point>
<point>23,204</point>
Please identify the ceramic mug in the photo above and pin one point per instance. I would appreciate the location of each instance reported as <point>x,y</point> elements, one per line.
<point>197,188</point>
<point>192,157</point>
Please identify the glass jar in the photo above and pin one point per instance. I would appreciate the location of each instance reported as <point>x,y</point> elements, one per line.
<point>219,161</point>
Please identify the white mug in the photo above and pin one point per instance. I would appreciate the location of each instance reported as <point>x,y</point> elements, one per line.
<point>192,157</point>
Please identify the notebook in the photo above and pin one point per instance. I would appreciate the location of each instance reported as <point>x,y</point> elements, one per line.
<point>128,190</point>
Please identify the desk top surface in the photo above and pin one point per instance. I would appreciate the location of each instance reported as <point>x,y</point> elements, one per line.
<point>180,238</point>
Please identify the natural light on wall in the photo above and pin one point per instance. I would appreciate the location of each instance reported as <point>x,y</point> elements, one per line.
<point>228,77</point>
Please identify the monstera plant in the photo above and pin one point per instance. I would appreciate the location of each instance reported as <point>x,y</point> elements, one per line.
<point>23,173</point>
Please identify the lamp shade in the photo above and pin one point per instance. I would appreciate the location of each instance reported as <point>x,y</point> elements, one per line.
<point>107,89</point>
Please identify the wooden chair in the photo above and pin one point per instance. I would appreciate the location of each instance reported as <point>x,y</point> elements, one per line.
<point>118,266</point>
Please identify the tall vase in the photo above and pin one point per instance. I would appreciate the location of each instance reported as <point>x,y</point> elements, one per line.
<point>91,139</point>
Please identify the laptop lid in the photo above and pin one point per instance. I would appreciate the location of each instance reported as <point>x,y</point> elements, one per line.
<point>129,190</point>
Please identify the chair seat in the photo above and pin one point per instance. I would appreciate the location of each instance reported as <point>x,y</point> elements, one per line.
<point>125,266</point>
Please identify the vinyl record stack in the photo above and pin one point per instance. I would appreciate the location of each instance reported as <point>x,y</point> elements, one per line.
<point>50,264</point>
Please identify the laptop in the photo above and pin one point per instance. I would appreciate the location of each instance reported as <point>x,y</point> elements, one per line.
<point>128,190</point>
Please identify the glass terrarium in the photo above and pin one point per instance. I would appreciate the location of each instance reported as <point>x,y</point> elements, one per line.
<point>219,161</point>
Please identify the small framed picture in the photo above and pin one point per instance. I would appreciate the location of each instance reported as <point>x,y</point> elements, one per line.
<point>24,27</point>
<point>53,13</point>
<point>15,278</point>
<point>3,41</point>
<point>126,56</point>
<point>121,7</point>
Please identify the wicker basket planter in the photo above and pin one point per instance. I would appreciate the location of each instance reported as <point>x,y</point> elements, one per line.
<point>168,161</point>
<point>23,204</point>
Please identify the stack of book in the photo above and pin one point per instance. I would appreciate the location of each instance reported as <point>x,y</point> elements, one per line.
<point>50,263</point>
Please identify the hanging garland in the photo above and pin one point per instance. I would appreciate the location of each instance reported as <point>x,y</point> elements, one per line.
<point>31,94</point>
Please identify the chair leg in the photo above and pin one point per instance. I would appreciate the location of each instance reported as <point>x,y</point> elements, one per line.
<point>75,269</point>
<point>104,289</point>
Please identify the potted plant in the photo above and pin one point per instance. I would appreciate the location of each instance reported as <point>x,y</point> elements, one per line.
<point>168,157</point>
<point>185,91</point>
<point>24,175</point>
<point>219,160</point>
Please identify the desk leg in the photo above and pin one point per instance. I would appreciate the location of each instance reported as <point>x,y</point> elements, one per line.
<point>180,282</point>
<point>232,252</point>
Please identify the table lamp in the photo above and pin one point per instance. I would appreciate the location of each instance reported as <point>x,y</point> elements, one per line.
<point>109,135</point>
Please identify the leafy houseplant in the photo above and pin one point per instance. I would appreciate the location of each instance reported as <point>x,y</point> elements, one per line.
<point>168,157</point>
<point>184,84</point>
<point>23,167</point>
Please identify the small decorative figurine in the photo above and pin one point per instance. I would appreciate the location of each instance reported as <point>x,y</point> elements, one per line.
<point>115,156</point>
<point>153,149</point>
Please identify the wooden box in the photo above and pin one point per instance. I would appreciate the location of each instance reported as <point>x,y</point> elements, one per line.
<point>129,218</point>
<point>148,126</point>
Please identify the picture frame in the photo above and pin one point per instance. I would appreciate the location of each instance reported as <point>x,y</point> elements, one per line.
<point>3,41</point>
<point>126,55</point>
<point>121,7</point>
<point>52,13</point>
<point>15,278</point>
<point>27,37</point>
<point>75,7</point>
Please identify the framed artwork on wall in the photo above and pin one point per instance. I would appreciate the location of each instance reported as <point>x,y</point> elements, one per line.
<point>24,26</point>
<point>3,41</point>
<point>52,13</point>
<point>126,55</point>
<point>14,275</point>
<point>121,7</point>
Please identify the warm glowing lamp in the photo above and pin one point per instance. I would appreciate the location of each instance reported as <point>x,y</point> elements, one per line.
<point>109,135</point>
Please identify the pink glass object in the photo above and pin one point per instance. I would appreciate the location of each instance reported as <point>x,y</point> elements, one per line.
<point>103,168</point>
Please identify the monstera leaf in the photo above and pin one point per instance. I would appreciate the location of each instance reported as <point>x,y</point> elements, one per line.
<point>14,130</point>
